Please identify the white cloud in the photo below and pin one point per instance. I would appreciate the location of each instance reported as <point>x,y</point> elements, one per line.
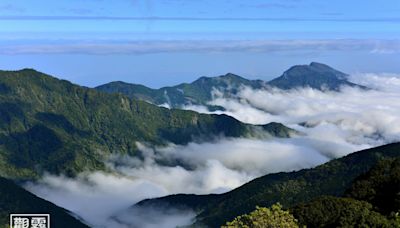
<point>212,167</point>
<point>149,217</point>
<point>388,82</point>
<point>95,196</point>
<point>352,115</point>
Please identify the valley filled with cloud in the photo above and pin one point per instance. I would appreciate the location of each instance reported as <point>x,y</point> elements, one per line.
<point>329,124</point>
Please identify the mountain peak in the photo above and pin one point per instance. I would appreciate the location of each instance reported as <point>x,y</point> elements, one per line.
<point>316,64</point>
<point>24,70</point>
<point>226,77</point>
<point>315,75</point>
<point>314,68</point>
<point>29,70</point>
<point>232,76</point>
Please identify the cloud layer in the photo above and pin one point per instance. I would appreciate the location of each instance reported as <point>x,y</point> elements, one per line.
<point>102,47</point>
<point>355,116</point>
<point>212,167</point>
<point>332,124</point>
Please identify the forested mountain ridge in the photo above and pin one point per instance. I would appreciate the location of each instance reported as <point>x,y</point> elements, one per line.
<point>198,92</point>
<point>52,125</point>
<point>372,200</point>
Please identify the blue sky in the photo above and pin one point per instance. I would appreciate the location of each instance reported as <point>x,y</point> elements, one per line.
<point>165,42</point>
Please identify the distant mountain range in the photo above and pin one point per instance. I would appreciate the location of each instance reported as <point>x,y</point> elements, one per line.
<point>333,178</point>
<point>316,75</point>
<point>52,125</point>
<point>197,92</point>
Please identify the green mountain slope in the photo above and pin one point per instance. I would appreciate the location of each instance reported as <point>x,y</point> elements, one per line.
<point>371,201</point>
<point>331,178</point>
<point>315,75</point>
<point>16,200</point>
<point>55,126</point>
<point>380,186</point>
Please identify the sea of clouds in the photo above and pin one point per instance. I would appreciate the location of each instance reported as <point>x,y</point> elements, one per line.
<point>331,125</point>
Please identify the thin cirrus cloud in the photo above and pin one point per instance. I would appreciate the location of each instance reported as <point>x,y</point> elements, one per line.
<point>157,18</point>
<point>101,47</point>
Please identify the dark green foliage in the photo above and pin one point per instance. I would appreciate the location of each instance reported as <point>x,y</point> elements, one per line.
<point>315,75</point>
<point>329,211</point>
<point>16,200</point>
<point>52,125</point>
<point>290,189</point>
<point>31,147</point>
<point>372,195</point>
<point>59,121</point>
<point>4,89</point>
<point>380,186</point>
<point>273,217</point>
<point>8,112</point>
